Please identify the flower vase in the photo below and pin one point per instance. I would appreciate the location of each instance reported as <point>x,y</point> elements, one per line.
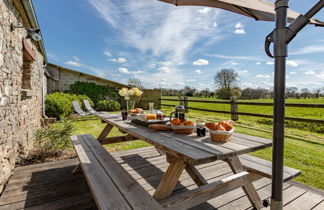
<point>130,104</point>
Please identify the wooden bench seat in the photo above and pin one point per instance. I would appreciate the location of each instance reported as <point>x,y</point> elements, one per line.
<point>111,185</point>
<point>264,167</point>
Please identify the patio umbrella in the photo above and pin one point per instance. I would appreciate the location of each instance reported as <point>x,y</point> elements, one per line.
<point>257,9</point>
<point>280,37</point>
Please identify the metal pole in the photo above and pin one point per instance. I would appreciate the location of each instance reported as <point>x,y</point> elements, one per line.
<point>280,54</point>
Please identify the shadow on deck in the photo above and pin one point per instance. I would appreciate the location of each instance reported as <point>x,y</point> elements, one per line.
<point>52,186</point>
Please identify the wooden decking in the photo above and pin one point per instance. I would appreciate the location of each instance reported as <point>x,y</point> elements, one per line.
<point>52,185</point>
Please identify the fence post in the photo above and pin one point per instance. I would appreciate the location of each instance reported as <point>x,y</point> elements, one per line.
<point>185,103</point>
<point>234,109</point>
<point>180,101</point>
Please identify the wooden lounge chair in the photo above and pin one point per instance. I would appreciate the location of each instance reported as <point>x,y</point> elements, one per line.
<point>89,107</point>
<point>78,109</point>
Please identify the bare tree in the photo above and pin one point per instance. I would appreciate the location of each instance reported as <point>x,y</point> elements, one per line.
<point>226,78</point>
<point>135,83</point>
<point>305,92</point>
<point>317,92</point>
<point>291,91</point>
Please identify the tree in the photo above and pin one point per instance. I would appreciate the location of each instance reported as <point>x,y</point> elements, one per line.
<point>188,91</point>
<point>317,92</point>
<point>291,91</point>
<point>305,92</point>
<point>135,83</point>
<point>223,93</point>
<point>226,78</point>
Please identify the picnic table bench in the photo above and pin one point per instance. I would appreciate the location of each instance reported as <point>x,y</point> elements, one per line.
<point>114,188</point>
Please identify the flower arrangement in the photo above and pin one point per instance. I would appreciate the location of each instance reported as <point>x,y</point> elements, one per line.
<point>131,96</point>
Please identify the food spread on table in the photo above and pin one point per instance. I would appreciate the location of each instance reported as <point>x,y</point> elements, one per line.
<point>154,119</point>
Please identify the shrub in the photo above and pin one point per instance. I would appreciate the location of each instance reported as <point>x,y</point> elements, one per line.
<point>94,91</point>
<point>59,105</point>
<point>109,105</point>
<point>52,140</point>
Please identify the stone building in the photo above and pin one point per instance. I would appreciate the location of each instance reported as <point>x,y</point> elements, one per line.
<point>22,82</point>
<point>61,78</point>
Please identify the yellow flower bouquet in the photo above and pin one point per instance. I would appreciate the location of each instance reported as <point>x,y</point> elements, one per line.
<point>131,96</point>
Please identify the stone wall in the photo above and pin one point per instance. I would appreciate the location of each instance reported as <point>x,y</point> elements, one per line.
<point>20,114</point>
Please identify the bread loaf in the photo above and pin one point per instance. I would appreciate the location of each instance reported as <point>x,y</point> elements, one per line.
<point>160,127</point>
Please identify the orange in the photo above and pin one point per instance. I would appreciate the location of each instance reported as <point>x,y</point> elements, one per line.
<point>189,123</point>
<point>175,121</point>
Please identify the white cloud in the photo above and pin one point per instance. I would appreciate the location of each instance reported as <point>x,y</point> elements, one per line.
<point>200,62</point>
<point>258,63</point>
<point>320,75</point>
<point>73,63</point>
<point>107,53</point>
<point>233,57</point>
<point>239,29</point>
<point>190,80</point>
<point>123,70</point>
<point>309,50</point>
<point>198,71</point>
<point>119,60</point>
<point>292,72</point>
<point>270,63</point>
<point>126,71</point>
<point>310,72</point>
<point>292,63</point>
<point>158,29</point>
<point>234,63</point>
<point>263,76</point>
<point>242,71</point>
<point>164,69</point>
<point>204,10</point>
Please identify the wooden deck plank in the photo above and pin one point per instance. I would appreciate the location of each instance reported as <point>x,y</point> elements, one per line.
<point>243,202</point>
<point>290,194</point>
<point>306,201</point>
<point>319,206</point>
<point>147,166</point>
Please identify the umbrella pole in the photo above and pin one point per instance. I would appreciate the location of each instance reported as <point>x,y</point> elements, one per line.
<point>280,54</point>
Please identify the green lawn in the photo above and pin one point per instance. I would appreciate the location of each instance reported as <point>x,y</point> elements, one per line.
<point>304,154</point>
<point>313,113</point>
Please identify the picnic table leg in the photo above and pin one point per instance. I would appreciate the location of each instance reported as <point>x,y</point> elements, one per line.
<point>169,179</point>
<point>195,175</point>
<point>251,193</point>
<point>104,132</point>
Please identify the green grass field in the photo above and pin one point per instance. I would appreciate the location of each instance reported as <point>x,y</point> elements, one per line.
<point>305,129</point>
<point>304,154</point>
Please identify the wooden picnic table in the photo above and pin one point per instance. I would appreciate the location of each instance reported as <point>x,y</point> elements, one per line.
<point>183,152</point>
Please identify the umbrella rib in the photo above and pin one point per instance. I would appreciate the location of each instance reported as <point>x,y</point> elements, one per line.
<point>247,11</point>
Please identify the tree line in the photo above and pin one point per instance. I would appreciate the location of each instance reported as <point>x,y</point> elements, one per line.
<point>227,83</point>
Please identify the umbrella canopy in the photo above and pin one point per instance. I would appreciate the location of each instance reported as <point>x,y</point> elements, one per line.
<point>257,9</point>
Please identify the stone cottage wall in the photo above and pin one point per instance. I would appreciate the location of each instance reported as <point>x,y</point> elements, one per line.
<point>19,117</point>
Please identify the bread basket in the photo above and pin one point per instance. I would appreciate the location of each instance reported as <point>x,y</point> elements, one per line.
<point>183,129</point>
<point>221,136</point>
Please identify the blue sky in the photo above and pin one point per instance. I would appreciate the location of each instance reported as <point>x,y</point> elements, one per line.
<point>168,46</point>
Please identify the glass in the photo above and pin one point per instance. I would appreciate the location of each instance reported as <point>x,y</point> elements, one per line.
<point>130,104</point>
<point>151,108</point>
<point>124,115</point>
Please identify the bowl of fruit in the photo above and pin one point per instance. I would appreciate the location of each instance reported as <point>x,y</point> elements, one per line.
<point>221,131</point>
<point>182,127</point>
